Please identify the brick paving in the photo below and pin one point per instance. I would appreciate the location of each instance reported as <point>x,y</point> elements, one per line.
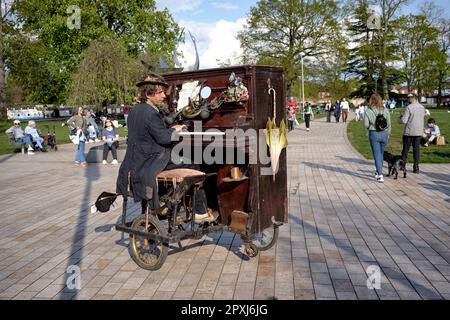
<point>340,223</point>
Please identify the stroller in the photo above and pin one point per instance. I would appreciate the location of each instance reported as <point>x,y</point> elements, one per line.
<point>50,138</point>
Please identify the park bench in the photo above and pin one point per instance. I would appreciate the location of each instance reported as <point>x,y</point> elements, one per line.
<point>12,142</point>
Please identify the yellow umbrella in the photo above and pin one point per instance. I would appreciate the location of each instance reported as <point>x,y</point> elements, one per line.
<point>276,137</point>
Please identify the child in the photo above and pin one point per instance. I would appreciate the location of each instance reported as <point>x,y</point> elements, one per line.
<point>430,132</point>
<point>110,136</point>
<point>92,134</point>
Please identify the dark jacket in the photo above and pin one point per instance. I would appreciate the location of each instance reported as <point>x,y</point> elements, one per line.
<point>148,153</point>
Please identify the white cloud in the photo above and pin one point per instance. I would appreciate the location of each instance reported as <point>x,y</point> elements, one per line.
<point>215,41</point>
<point>225,5</point>
<point>179,5</point>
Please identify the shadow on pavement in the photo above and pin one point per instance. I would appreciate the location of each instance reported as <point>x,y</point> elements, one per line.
<point>91,174</point>
<point>355,160</point>
<point>337,169</point>
<point>386,269</point>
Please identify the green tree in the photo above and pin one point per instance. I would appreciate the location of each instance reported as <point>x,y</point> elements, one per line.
<point>105,75</point>
<point>418,47</point>
<point>6,28</point>
<point>442,63</point>
<point>53,44</point>
<point>440,67</point>
<point>278,31</point>
<point>363,56</point>
<point>386,39</point>
<point>376,49</point>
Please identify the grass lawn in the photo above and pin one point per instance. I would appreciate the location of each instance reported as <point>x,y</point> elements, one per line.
<point>432,154</point>
<point>62,133</point>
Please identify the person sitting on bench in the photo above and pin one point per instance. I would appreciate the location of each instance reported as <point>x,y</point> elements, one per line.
<point>32,131</point>
<point>19,136</point>
<point>430,132</point>
<point>110,136</point>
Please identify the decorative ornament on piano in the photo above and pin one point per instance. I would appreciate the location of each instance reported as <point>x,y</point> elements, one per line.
<point>236,91</point>
<point>276,138</point>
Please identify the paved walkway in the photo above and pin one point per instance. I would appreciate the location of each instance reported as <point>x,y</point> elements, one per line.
<point>341,222</point>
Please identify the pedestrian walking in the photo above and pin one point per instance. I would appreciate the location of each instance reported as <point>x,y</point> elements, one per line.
<point>377,121</point>
<point>337,111</point>
<point>345,107</point>
<point>291,109</point>
<point>308,115</point>
<point>413,119</point>
<point>328,110</point>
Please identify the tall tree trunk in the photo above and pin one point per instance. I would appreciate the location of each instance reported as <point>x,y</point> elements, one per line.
<point>289,88</point>
<point>384,85</point>
<point>369,70</point>
<point>439,95</point>
<point>3,114</point>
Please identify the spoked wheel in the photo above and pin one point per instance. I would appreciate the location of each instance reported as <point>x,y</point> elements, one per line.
<point>147,253</point>
<point>267,238</point>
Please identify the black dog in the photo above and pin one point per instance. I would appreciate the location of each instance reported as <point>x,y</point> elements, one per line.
<point>395,163</point>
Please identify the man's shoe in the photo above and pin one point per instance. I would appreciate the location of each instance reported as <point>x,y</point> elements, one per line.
<point>104,162</point>
<point>30,153</point>
<point>114,162</point>
<point>416,171</point>
<point>380,179</point>
<point>426,144</point>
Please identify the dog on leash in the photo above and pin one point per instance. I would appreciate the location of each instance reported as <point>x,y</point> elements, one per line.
<point>395,163</point>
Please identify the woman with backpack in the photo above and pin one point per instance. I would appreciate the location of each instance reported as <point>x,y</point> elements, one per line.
<point>377,121</point>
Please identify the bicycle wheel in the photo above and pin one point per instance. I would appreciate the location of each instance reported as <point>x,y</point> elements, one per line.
<point>147,253</point>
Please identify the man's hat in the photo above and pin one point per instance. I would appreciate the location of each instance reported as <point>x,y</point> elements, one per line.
<point>412,95</point>
<point>152,78</point>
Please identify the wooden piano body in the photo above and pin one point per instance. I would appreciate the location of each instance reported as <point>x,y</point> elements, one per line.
<point>261,197</point>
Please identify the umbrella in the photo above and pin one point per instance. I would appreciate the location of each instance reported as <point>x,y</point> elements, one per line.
<point>275,137</point>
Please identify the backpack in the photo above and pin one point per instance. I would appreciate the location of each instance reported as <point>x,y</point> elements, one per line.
<point>380,122</point>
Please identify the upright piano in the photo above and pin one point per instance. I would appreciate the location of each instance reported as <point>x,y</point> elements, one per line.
<point>261,196</point>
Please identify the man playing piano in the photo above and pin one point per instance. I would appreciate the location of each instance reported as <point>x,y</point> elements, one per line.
<point>149,143</point>
<point>149,148</point>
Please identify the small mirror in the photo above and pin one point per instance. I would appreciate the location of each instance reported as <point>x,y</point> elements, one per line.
<point>205,92</point>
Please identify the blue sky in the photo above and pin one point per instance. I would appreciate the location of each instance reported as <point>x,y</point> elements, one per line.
<point>216,23</point>
<point>207,11</point>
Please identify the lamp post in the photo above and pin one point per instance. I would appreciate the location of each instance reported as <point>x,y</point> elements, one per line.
<point>302,54</point>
